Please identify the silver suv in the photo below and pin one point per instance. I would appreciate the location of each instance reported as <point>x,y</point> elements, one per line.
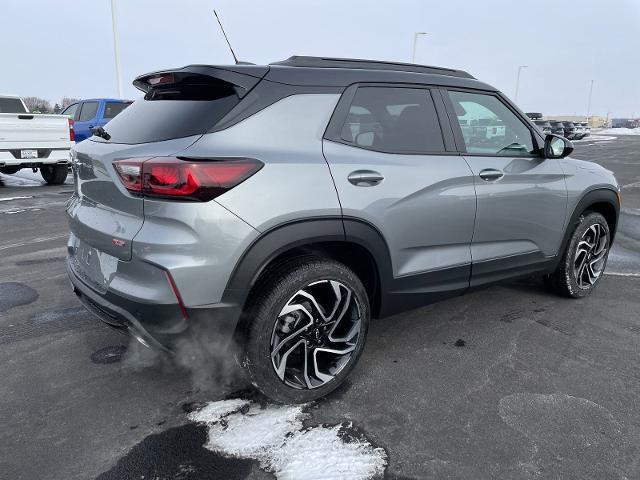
<point>281,207</point>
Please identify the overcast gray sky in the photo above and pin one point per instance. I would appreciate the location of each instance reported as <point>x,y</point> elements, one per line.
<point>53,48</point>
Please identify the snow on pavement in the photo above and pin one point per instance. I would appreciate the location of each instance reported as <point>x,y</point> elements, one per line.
<point>275,436</point>
<point>618,131</point>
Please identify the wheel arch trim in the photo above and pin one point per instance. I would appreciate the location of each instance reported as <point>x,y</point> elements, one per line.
<point>299,233</point>
<point>592,197</point>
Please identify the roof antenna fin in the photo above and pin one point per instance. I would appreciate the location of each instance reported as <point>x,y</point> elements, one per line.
<point>225,37</point>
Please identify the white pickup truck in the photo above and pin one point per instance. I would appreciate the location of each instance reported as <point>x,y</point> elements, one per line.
<point>36,141</point>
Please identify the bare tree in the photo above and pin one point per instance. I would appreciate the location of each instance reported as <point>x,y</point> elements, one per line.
<point>37,104</point>
<point>66,101</point>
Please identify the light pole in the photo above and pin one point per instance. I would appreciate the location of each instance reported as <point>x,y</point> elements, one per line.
<point>589,102</point>
<point>415,41</point>
<point>114,26</point>
<point>518,82</point>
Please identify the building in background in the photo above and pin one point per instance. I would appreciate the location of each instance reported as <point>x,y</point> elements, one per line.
<point>595,121</point>
<point>625,123</point>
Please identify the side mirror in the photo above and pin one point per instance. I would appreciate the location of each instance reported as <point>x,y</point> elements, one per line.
<point>556,146</point>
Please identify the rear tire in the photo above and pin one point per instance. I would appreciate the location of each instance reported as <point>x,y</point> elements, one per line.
<point>306,328</point>
<point>10,170</point>
<point>54,174</point>
<point>585,258</point>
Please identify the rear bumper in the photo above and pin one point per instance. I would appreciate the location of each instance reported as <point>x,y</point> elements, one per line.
<point>9,158</point>
<point>158,326</point>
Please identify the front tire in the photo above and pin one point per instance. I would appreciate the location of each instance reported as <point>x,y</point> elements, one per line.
<point>307,326</point>
<point>584,260</point>
<point>54,174</point>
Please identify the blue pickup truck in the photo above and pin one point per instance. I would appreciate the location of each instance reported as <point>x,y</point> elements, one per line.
<point>93,112</point>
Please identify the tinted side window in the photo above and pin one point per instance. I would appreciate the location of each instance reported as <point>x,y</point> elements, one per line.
<point>89,110</point>
<point>489,127</point>
<point>111,109</point>
<point>395,120</point>
<point>70,111</point>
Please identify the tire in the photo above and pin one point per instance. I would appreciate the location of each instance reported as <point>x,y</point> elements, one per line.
<point>10,170</point>
<point>54,174</point>
<point>573,278</point>
<point>274,316</point>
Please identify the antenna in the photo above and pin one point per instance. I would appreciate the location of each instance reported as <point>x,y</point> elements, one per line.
<point>225,37</point>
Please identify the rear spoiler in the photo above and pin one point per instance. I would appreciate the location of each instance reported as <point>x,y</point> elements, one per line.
<point>242,77</point>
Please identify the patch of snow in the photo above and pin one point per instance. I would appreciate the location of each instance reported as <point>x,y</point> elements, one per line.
<point>320,453</point>
<point>622,274</point>
<point>214,411</point>
<point>619,131</point>
<point>274,435</point>
<point>6,199</point>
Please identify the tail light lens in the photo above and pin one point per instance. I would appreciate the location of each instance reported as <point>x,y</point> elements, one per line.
<point>184,179</point>
<point>72,133</point>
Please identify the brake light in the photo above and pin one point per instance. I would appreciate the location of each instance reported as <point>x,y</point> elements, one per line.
<point>161,79</point>
<point>72,132</point>
<point>185,179</point>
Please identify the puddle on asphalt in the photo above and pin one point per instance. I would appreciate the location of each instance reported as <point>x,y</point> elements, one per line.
<point>178,453</point>
<point>14,294</point>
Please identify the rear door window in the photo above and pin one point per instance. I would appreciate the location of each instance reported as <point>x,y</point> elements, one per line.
<point>88,111</point>
<point>111,109</point>
<point>393,120</point>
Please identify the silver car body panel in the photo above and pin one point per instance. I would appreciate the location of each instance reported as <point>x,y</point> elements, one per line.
<point>424,207</point>
<point>295,181</point>
<point>523,212</point>
<point>582,177</point>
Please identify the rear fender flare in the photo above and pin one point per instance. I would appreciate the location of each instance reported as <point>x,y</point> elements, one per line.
<point>285,237</point>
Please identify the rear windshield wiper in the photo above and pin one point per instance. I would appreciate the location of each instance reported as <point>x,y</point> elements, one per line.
<point>100,132</point>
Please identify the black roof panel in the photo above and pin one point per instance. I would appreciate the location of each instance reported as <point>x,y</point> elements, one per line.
<point>357,63</point>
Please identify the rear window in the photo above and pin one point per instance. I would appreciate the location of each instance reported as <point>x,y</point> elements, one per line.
<point>11,105</point>
<point>111,109</point>
<point>179,110</point>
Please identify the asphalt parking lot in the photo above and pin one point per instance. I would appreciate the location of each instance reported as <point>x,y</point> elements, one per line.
<point>509,382</point>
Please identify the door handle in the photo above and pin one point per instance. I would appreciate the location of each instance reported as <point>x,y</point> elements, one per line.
<point>491,174</point>
<point>365,178</point>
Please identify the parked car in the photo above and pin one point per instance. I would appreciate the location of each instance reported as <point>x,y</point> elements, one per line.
<point>580,131</point>
<point>92,113</point>
<point>543,125</point>
<point>335,191</point>
<point>557,127</point>
<point>37,141</point>
<point>587,129</point>
<point>569,130</point>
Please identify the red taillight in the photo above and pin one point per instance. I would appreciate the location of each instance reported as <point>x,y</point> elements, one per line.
<point>186,179</point>
<point>72,133</point>
<point>130,173</point>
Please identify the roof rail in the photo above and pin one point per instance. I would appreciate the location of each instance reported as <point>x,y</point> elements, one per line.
<point>357,63</point>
